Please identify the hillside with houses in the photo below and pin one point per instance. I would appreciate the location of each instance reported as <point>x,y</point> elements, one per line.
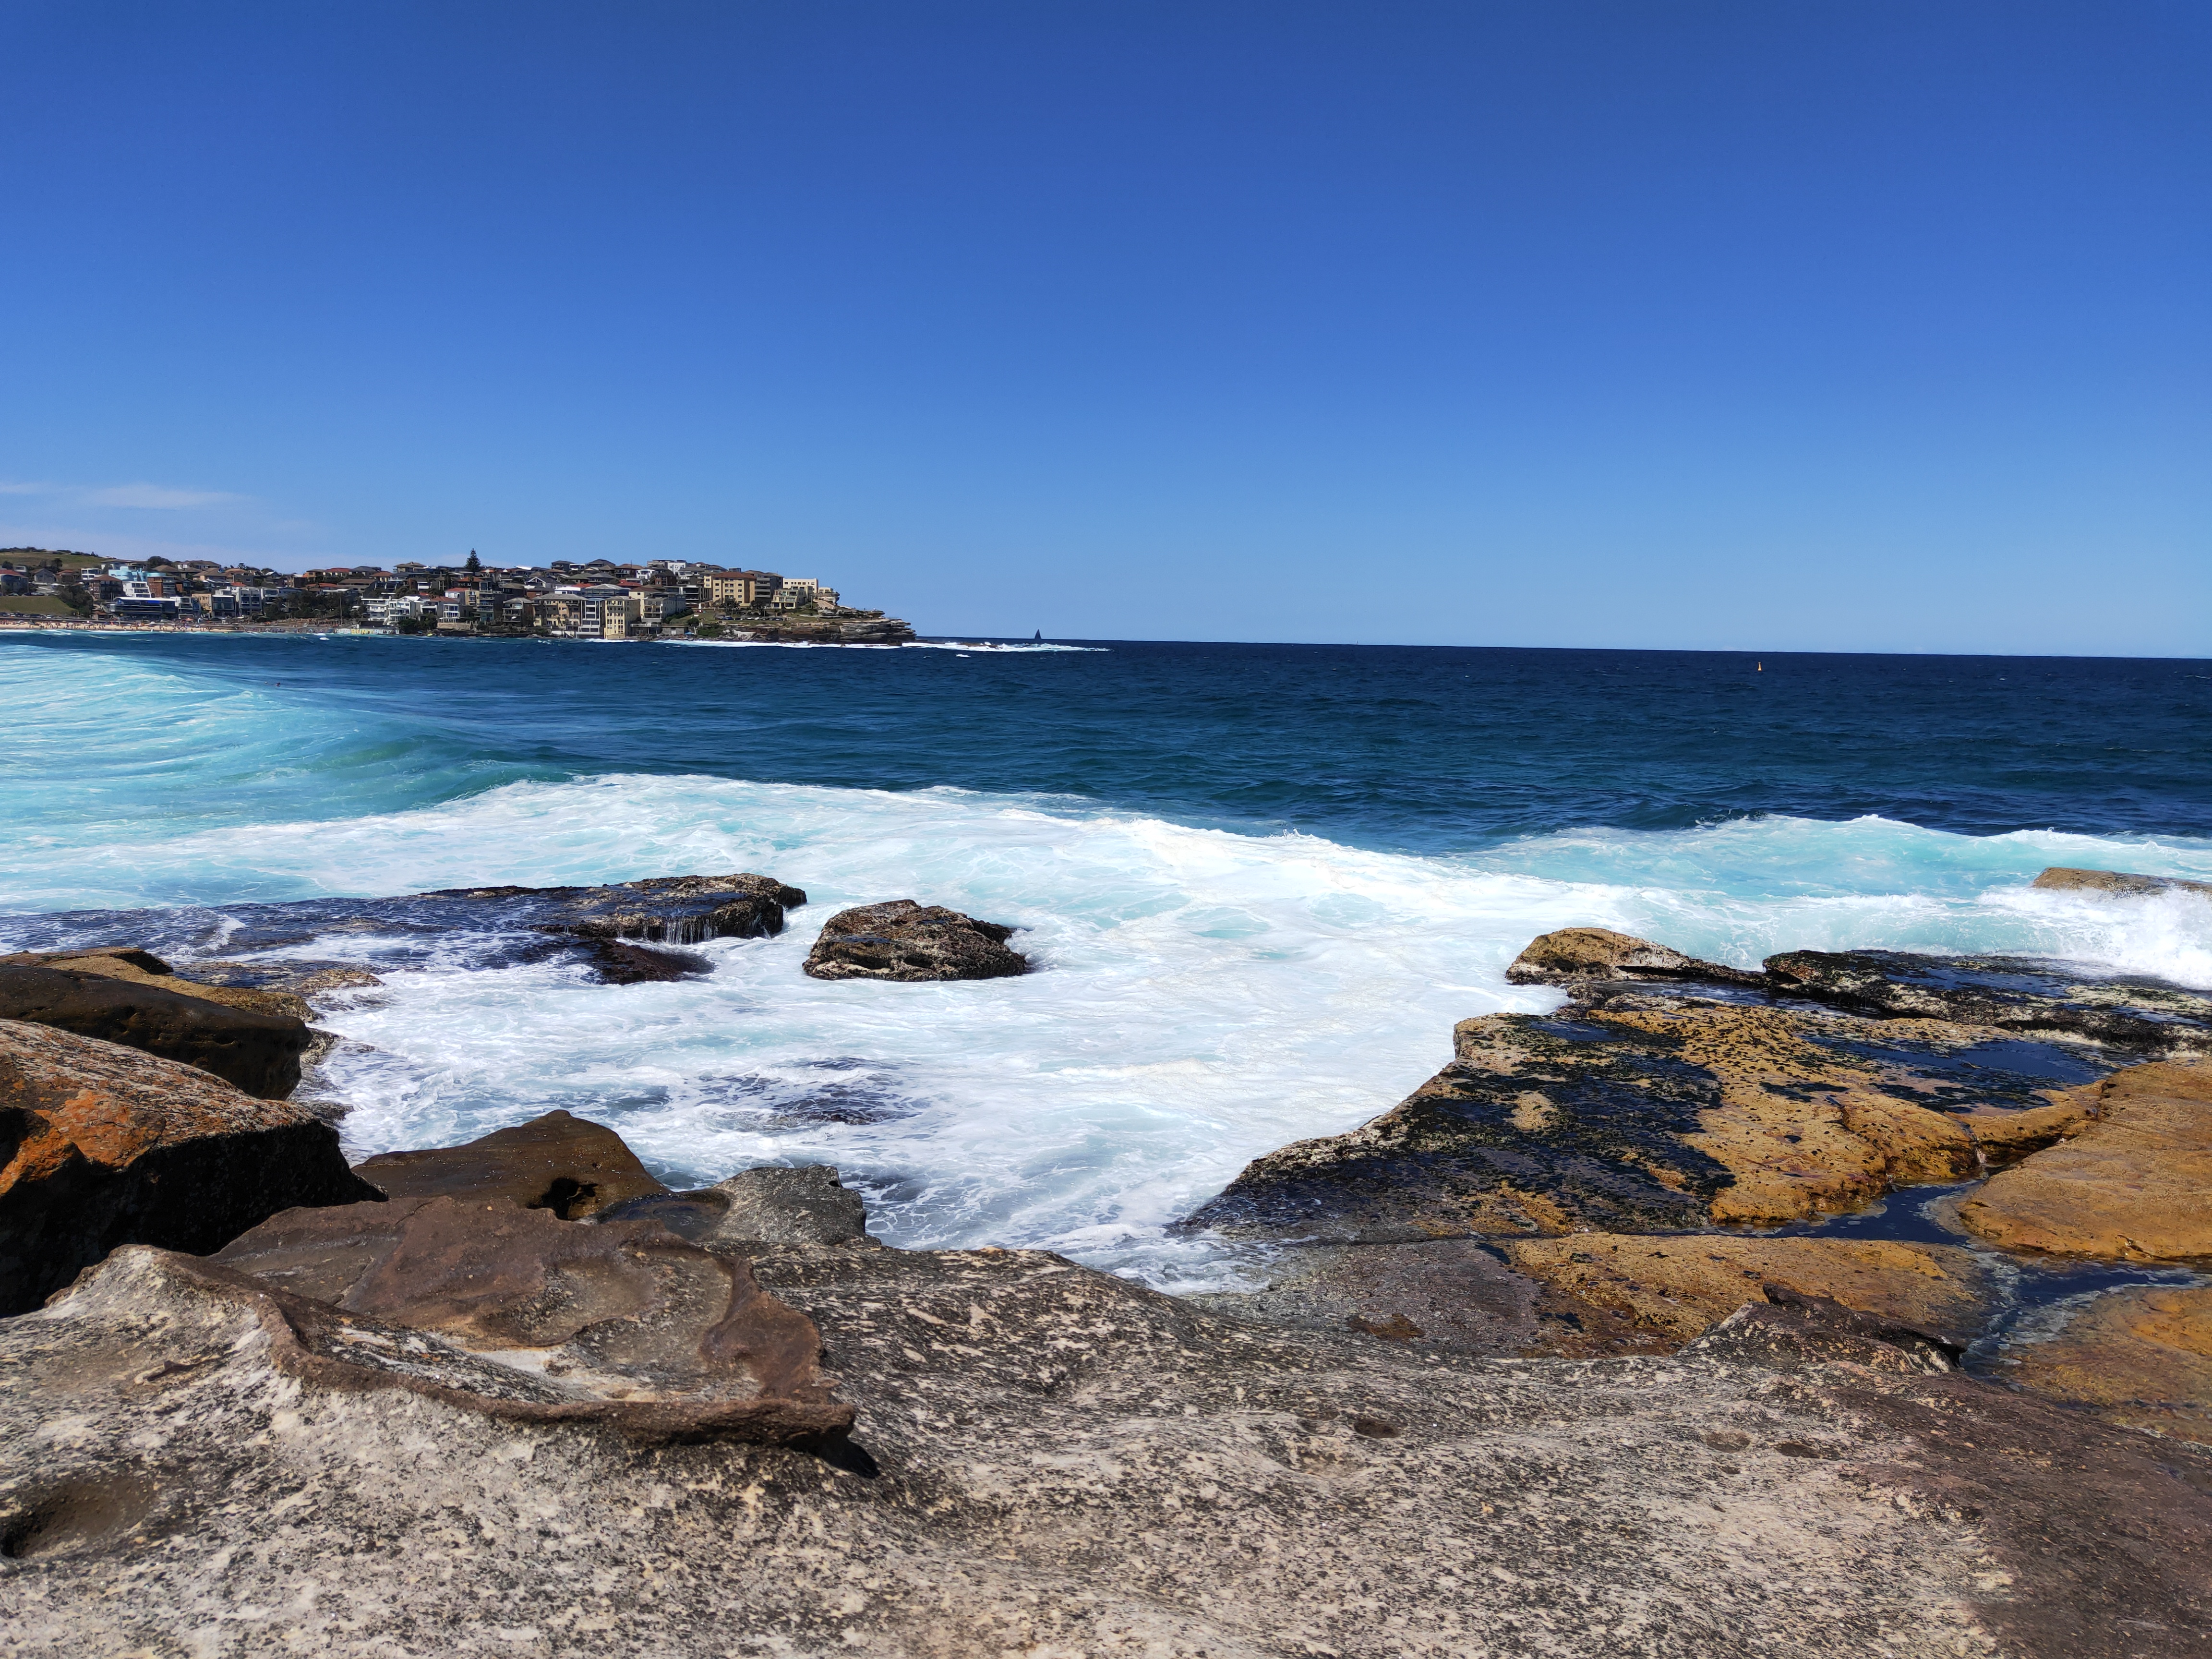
<point>599,599</point>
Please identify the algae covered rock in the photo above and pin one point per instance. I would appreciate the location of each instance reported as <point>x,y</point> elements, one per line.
<point>106,1146</point>
<point>902,939</point>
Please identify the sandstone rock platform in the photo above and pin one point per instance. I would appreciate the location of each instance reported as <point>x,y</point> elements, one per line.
<point>1047,1459</point>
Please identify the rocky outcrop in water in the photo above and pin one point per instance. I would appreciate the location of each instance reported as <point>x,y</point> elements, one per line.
<point>1642,1107</point>
<point>684,909</point>
<point>250,1039</point>
<point>2134,1184</point>
<point>904,940</point>
<point>1574,956</point>
<point>105,1145</point>
<point>2117,882</point>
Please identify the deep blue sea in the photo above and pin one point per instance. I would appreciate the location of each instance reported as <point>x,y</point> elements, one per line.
<point>1261,883</point>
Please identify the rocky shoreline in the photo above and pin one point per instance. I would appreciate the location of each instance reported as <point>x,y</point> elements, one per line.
<point>1585,1347</point>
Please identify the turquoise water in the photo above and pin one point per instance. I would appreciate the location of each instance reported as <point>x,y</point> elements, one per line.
<point>1261,883</point>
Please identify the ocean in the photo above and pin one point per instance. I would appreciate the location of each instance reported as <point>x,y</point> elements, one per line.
<point>1260,884</point>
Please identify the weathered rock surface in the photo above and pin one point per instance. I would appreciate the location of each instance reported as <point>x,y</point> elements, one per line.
<point>557,1162</point>
<point>620,1323</point>
<point>2058,878</point>
<point>1574,955</point>
<point>138,966</point>
<point>102,1146</point>
<point>2144,1018</point>
<point>770,1208</point>
<point>2134,1185</point>
<point>1681,1286</point>
<point>1051,1461</point>
<point>1635,1111</point>
<point>685,909</point>
<point>257,1051</point>
<point>1591,1294</point>
<point>904,940</point>
<point>2141,1356</point>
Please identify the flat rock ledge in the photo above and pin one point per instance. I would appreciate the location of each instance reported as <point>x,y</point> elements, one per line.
<point>1048,1460</point>
<point>902,939</point>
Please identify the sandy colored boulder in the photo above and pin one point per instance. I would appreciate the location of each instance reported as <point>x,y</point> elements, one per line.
<point>1683,1285</point>
<point>2135,1185</point>
<point>2119,882</point>
<point>106,1146</point>
<point>1573,954</point>
<point>2141,1356</point>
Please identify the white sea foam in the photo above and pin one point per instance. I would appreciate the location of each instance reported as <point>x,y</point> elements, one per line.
<point>1201,996</point>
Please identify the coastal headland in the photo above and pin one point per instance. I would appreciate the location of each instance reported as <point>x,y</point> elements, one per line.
<point>599,599</point>
<point>1631,1332</point>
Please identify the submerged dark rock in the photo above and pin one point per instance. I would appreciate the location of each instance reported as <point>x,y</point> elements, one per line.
<point>557,1162</point>
<point>904,940</point>
<point>259,1052</point>
<point>103,1145</point>
<point>683,910</point>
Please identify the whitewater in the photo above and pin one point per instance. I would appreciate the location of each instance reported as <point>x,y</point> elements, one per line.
<point>1202,993</point>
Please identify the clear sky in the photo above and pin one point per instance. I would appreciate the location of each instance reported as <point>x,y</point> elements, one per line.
<point>1757,324</point>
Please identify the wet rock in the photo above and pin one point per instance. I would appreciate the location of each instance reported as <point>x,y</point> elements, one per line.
<point>2147,1018</point>
<point>2129,1186</point>
<point>557,1162</point>
<point>139,967</point>
<point>1630,1111</point>
<point>903,940</point>
<point>1681,1285</point>
<point>255,1051</point>
<point>1454,1294</point>
<point>622,1323</point>
<point>105,1145</point>
<point>683,910</point>
<point>773,1208</point>
<point>622,963</point>
<point>1574,955</point>
<point>2141,1356</point>
<point>2120,883</point>
<point>1795,1333</point>
<point>1049,1460</point>
<point>305,980</point>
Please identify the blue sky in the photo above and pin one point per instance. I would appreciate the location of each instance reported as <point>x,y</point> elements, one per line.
<point>1756,324</point>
